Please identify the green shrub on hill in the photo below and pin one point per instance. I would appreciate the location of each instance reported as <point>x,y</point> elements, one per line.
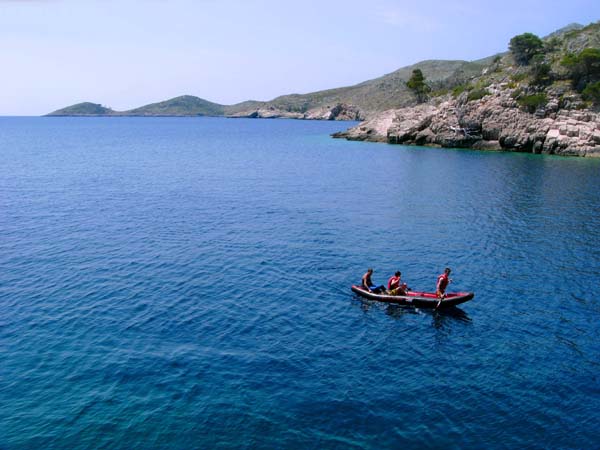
<point>552,44</point>
<point>592,92</point>
<point>532,102</point>
<point>540,71</point>
<point>417,84</point>
<point>459,90</point>
<point>590,58</point>
<point>477,94</point>
<point>524,46</point>
<point>516,77</point>
<point>583,67</point>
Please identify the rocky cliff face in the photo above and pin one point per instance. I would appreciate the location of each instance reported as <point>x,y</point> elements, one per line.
<point>494,122</point>
<point>340,111</point>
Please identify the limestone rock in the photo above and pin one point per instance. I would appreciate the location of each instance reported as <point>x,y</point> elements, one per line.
<point>492,122</point>
<point>374,129</point>
<point>340,111</point>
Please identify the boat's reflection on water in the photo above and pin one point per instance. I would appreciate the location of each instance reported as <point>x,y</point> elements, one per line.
<point>440,317</point>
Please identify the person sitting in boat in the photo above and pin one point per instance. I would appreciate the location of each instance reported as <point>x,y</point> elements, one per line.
<point>442,284</point>
<point>395,285</point>
<point>368,284</point>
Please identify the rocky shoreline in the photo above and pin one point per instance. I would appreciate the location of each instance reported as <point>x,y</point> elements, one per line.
<point>341,111</point>
<point>494,122</point>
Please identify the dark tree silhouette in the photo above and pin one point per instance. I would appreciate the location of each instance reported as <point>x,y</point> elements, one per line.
<point>417,84</point>
<point>524,47</point>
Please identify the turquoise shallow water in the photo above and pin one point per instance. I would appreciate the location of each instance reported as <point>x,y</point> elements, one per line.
<point>184,283</point>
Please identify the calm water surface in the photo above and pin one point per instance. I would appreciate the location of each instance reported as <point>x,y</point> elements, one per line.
<point>184,283</point>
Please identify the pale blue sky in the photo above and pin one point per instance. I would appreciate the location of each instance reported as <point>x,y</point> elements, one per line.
<point>127,53</point>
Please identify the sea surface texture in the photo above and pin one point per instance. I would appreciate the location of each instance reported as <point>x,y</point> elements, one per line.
<point>185,283</point>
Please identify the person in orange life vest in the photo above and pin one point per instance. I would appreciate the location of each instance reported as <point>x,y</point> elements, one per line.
<point>394,285</point>
<point>368,284</point>
<point>442,284</point>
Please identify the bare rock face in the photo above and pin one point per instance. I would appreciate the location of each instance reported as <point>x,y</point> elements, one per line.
<point>374,129</point>
<point>268,113</point>
<point>412,125</point>
<point>341,111</point>
<point>494,122</point>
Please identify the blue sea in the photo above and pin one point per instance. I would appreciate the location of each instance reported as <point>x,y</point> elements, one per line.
<point>185,283</point>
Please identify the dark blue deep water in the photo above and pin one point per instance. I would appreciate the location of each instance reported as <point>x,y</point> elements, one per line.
<point>184,283</point>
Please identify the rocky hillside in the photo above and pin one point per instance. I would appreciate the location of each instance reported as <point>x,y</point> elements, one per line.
<point>544,101</point>
<point>369,97</point>
<point>347,103</point>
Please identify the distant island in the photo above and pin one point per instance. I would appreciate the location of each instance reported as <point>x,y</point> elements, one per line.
<point>543,96</point>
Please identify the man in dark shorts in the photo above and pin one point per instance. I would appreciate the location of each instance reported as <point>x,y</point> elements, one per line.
<point>367,283</point>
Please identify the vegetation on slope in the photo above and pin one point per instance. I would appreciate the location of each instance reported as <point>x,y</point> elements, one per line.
<point>563,65</point>
<point>524,47</point>
<point>387,92</point>
<point>83,109</point>
<point>417,85</point>
<point>185,105</point>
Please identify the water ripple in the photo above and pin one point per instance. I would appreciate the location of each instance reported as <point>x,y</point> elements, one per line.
<point>185,283</point>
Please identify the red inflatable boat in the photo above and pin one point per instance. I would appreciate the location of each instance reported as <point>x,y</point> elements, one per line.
<point>419,299</point>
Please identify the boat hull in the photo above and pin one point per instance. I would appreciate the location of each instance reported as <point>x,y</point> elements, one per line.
<point>418,299</point>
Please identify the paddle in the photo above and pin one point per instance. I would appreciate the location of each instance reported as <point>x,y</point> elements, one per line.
<point>440,301</point>
<point>437,289</point>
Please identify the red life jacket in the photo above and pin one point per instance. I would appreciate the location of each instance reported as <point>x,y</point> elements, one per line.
<point>442,282</point>
<point>393,282</point>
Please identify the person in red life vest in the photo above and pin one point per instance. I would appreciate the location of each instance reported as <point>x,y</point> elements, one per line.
<point>395,287</point>
<point>442,284</point>
<point>367,283</point>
